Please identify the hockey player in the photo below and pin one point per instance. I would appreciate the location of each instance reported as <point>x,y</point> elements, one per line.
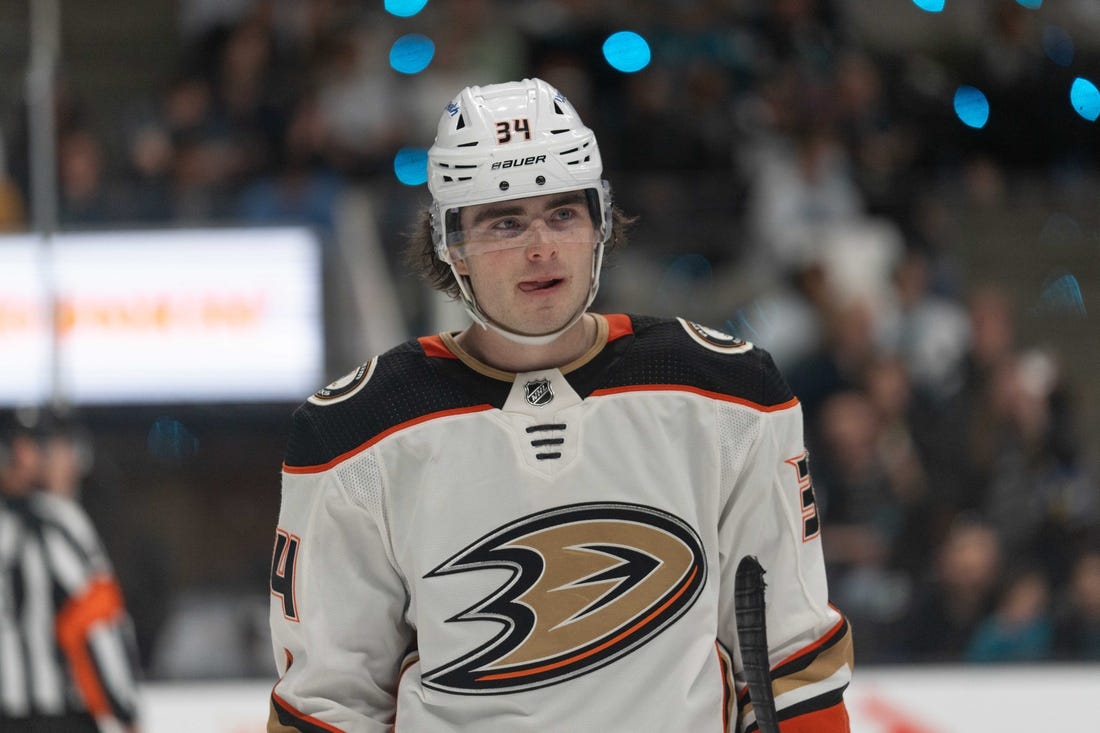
<point>534,524</point>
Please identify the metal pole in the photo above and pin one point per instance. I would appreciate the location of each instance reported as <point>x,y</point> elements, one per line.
<point>45,52</point>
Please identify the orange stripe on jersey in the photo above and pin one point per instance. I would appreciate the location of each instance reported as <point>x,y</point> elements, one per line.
<point>101,602</point>
<point>830,720</point>
<point>695,390</point>
<point>810,663</point>
<point>435,348</point>
<point>837,628</point>
<point>384,434</point>
<point>725,664</point>
<point>274,725</point>
<point>618,325</point>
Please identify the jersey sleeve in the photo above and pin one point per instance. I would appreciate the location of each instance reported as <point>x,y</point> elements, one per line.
<point>337,602</point>
<point>769,512</point>
<point>94,631</point>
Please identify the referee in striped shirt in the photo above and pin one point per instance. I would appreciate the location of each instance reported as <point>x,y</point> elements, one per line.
<point>66,643</point>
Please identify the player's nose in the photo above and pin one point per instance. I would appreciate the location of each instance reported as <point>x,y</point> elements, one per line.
<point>541,242</point>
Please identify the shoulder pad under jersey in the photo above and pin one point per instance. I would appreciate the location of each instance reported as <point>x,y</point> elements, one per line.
<point>677,351</point>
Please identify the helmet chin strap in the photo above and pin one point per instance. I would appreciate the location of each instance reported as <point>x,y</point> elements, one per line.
<point>524,339</point>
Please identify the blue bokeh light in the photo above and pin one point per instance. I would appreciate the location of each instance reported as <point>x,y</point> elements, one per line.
<point>411,54</point>
<point>170,441</point>
<point>930,6</point>
<point>1058,46</point>
<point>1085,98</point>
<point>1031,4</point>
<point>1061,296</point>
<point>971,106</point>
<point>627,51</point>
<point>411,166</point>
<point>405,8</point>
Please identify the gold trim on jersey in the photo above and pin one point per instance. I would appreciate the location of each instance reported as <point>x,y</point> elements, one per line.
<point>602,331</point>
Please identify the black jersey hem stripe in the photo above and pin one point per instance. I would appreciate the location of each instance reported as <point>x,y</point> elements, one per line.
<point>826,700</point>
<point>807,656</point>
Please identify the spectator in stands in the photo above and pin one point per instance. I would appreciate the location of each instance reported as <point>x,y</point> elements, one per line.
<point>204,160</point>
<point>788,319</point>
<point>955,434</point>
<point>955,597</point>
<point>1020,628</point>
<point>1039,498</point>
<point>841,360</point>
<point>82,180</point>
<point>920,524</point>
<point>881,143</point>
<point>930,332</point>
<point>147,170</point>
<point>303,188</point>
<point>252,95</point>
<point>851,482</point>
<point>800,183</point>
<point>866,509</point>
<point>1009,67</point>
<point>347,70</point>
<point>1077,629</point>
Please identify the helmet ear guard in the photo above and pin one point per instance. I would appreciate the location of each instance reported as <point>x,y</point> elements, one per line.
<point>446,232</point>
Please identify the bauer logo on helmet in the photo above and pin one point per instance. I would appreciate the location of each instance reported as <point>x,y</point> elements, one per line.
<point>517,162</point>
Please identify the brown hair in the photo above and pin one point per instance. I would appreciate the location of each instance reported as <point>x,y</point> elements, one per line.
<point>421,259</point>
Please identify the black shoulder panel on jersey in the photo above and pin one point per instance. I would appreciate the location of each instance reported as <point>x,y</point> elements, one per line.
<point>405,385</point>
<point>664,352</point>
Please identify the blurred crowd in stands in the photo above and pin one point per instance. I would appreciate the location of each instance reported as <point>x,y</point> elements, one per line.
<point>804,176</point>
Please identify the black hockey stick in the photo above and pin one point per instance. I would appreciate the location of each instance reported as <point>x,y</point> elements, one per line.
<point>752,635</point>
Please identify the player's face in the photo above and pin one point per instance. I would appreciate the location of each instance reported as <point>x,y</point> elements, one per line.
<point>530,260</point>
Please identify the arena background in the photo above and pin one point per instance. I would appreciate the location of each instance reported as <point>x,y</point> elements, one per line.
<point>897,198</point>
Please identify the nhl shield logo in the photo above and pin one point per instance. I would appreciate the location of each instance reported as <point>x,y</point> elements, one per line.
<point>538,392</point>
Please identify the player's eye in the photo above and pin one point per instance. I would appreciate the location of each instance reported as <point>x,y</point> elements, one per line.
<point>565,215</point>
<point>507,227</point>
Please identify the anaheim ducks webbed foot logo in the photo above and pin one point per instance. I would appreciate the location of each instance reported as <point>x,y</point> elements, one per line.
<point>591,583</point>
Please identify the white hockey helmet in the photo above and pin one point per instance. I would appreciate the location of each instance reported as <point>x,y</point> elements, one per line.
<point>508,141</point>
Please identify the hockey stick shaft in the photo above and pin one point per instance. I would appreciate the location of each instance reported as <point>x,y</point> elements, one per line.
<point>752,635</point>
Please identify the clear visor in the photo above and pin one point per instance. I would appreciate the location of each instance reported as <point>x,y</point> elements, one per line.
<point>562,219</point>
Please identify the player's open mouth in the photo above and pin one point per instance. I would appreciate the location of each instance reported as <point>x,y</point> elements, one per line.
<point>530,286</point>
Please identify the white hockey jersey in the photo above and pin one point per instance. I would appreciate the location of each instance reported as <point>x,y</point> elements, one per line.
<point>465,549</point>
